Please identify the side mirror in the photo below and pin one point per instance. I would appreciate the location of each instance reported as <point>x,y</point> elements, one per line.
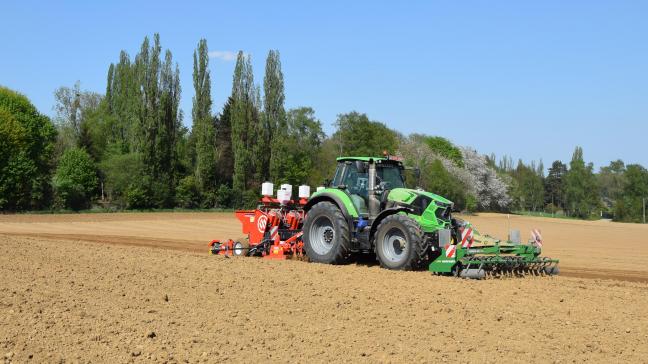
<point>327,182</point>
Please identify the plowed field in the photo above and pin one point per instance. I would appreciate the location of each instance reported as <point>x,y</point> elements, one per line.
<point>141,287</point>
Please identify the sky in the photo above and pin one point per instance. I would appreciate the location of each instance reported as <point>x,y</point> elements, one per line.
<point>528,79</point>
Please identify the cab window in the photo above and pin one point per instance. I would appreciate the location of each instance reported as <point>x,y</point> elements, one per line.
<point>391,177</point>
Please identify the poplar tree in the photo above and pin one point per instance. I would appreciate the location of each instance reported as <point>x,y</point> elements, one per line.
<point>275,150</point>
<point>223,126</point>
<point>244,123</point>
<point>203,125</point>
<point>144,104</point>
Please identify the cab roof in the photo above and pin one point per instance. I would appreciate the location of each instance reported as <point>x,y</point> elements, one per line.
<point>366,159</point>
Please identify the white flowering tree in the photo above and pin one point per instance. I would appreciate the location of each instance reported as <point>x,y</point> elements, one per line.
<point>482,180</point>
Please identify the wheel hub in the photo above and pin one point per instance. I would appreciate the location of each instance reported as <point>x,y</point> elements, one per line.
<point>328,235</point>
<point>394,245</point>
<point>322,235</point>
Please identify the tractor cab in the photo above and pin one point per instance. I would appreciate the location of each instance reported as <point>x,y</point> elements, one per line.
<point>353,175</point>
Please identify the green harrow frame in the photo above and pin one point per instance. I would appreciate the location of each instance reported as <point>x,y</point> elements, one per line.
<point>497,260</point>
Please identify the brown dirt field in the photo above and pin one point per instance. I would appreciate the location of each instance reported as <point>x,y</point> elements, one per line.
<point>92,288</point>
<point>587,249</point>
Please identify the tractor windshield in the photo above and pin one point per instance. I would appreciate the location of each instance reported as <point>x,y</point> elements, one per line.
<point>390,176</point>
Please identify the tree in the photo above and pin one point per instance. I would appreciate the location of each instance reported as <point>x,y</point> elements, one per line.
<point>121,173</point>
<point>223,126</point>
<point>123,106</point>
<point>356,135</point>
<point>629,206</point>
<point>611,181</point>
<point>482,181</point>
<point>26,144</point>
<point>305,131</point>
<point>275,133</point>
<point>75,181</point>
<point>72,108</point>
<point>203,124</point>
<point>528,191</point>
<point>244,125</point>
<point>435,175</point>
<point>440,181</point>
<point>143,99</point>
<point>554,185</point>
<point>581,190</point>
<point>169,126</point>
<point>444,148</point>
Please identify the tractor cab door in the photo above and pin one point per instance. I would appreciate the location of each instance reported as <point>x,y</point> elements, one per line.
<point>353,176</point>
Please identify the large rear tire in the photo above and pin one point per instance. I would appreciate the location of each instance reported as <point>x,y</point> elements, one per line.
<point>400,244</point>
<point>326,234</point>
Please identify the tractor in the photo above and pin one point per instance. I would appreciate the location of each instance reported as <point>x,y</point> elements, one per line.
<point>366,208</point>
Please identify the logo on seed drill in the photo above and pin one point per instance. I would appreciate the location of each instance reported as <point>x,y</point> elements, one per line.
<point>261,223</point>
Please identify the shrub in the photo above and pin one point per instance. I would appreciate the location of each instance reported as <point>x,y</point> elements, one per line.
<point>224,197</point>
<point>187,194</point>
<point>75,181</point>
<point>121,175</point>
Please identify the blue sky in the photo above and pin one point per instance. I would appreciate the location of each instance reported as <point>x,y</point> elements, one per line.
<point>531,79</point>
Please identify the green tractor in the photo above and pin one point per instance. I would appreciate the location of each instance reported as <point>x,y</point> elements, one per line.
<point>366,208</point>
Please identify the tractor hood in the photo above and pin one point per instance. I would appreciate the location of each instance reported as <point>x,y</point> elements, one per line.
<point>407,196</point>
<point>430,209</point>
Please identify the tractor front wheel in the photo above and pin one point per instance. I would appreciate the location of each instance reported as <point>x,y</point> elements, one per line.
<point>326,234</point>
<point>400,244</point>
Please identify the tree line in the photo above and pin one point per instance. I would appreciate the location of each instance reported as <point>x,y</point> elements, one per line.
<point>617,191</point>
<point>129,149</point>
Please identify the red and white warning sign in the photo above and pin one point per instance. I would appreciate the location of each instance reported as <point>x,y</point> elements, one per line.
<point>451,250</point>
<point>274,233</point>
<point>536,237</point>
<point>467,237</point>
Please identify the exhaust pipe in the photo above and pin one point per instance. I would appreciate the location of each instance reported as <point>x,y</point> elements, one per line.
<point>374,203</point>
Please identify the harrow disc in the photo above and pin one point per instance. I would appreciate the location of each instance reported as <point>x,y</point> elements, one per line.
<point>479,267</point>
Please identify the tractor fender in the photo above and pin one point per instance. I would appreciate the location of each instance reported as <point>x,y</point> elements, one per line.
<point>384,214</point>
<point>336,201</point>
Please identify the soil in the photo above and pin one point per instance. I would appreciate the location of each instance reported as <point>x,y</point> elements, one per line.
<point>141,287</point>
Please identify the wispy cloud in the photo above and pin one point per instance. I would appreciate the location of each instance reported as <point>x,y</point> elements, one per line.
<point>227,56</point>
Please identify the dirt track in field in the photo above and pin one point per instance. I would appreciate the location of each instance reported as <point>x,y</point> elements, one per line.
<point>97,288</point>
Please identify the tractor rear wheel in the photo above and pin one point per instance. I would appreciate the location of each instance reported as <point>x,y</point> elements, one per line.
<point>400,244</point>
<point>326,234</point>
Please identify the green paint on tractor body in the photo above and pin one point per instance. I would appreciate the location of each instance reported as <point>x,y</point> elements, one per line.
<point>340,195</point>
<point>436,214</point>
